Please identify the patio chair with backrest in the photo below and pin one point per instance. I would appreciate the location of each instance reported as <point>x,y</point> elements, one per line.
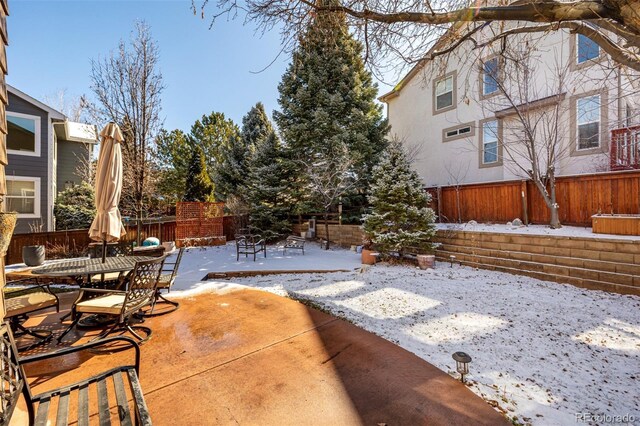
<point>165,282</point>
<point>119,249</point>
<point>31,297</point>
<point>54,405</point>
<point>122,305</point>
<point>247,243</point>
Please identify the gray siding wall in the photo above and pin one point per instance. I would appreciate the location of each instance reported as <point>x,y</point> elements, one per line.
<point>71,155</point>
<point>21,165</point>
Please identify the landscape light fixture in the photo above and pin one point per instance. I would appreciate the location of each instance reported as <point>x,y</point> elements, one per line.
<point>462,363</point>
<point>452,259</point>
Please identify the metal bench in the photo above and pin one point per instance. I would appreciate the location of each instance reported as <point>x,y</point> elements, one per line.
<point>93,392</point>
<point>293,242</point>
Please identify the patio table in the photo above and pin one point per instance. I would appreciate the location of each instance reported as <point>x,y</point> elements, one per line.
<point>78,269</point>
<point>87,267</point>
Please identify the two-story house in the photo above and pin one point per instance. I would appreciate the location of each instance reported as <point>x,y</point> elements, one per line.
<point>465,129</point>
<point>45,154</point>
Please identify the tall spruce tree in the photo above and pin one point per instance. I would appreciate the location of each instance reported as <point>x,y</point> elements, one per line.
<point>327,101</point>
<point>400,218</point>
<point>231,173</point>
<point>267,188</point>
<point>198,182</point>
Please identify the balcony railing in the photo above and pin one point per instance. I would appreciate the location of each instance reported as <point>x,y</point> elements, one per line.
<point>625,148</point>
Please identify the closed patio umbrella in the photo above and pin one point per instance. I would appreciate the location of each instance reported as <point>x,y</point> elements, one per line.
<point>107,225</point>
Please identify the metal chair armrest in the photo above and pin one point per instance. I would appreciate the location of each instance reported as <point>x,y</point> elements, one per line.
<point>89,345</point>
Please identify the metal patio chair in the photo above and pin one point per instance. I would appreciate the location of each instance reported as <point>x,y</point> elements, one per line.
<point>122,304</point>
<point>79,396</point>
<point>32,297</point>
<point>247,243</point>
<point>165,282</point>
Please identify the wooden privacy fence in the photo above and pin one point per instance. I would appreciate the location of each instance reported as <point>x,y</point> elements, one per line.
<point>196,220</point>
<point>579,197</point>
<point>75,242</point>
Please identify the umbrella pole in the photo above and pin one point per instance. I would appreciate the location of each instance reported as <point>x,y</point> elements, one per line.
<point>104,251</point>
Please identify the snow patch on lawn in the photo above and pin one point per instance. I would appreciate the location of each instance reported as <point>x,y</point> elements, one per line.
<point>541,351</point>
<point>197,262</point>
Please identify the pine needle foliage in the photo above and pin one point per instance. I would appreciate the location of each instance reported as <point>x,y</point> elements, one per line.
<point>400,220</point>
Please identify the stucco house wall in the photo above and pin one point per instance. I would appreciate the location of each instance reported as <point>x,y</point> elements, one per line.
<point>444,161</point>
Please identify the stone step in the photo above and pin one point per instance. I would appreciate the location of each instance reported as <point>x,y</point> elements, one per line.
<point>619,266</point>
<point>581,277</point>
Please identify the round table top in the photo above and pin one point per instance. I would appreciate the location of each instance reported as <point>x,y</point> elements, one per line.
<point>88,266</point>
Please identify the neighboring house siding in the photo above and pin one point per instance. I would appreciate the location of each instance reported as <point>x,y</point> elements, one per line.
<point>456,160</point>
<point>71,156</point>
<point>21,165</point>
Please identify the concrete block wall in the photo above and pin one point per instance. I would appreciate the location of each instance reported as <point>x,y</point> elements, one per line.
<point>596,263</point>
<point>343,235</point>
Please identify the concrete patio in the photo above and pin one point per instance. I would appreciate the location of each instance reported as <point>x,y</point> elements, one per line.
<point>251,357</point>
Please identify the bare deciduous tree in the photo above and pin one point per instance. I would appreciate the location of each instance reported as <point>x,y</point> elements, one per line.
<point>534,120</point>
<point>408,29</point>
<point>127,85</point>
<point>457,172</point>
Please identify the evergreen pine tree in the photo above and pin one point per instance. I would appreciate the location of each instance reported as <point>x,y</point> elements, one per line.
<point>267,190</point>
<point>327,100</point>
<point>231,173</point>
<point>198,182</point>
<point>400,218</point>
<point>75,207</point>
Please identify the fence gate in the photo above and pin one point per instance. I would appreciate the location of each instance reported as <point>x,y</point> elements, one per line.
<point>199,223</point>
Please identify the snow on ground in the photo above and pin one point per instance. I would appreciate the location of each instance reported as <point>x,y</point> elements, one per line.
<point>565,231</point>
<point>198,261</point>
<point>541,351</point>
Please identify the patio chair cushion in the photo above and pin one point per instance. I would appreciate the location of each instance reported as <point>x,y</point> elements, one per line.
<point>27,303</point>
<point>165,281</point>
<point>110,304</point>
<point>110,276</point>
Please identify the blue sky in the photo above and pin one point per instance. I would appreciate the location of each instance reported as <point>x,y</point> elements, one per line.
<point>52,42</point>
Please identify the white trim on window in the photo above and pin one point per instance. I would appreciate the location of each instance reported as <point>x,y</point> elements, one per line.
<point>490,138</point>
<point>38,136</point>
<point>444,86</point>
<point>581,120</point>
<point>36,196</point>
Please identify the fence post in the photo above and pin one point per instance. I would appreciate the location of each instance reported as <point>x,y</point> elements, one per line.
<point>438,203</point>
<point>525,202</point>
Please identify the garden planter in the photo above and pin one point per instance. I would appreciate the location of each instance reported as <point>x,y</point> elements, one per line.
<point>33,255</point>
<point>617,224</point>
<point>426,261</point>
<point>7,224</point>
<point>369,257</point>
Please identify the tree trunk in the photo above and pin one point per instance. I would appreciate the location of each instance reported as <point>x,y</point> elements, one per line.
<point>554,223</point>
<point>326,228</point>
<point>550,200</point>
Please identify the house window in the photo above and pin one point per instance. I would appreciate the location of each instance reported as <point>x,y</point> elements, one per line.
<point>587,49</point>
<point>23,196</point>
<point>461,131</point>
<point>23,137</point>
<point>490,76</point>
<point>444,93</point>
<point>490,142</point>
<point>588,121</point>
